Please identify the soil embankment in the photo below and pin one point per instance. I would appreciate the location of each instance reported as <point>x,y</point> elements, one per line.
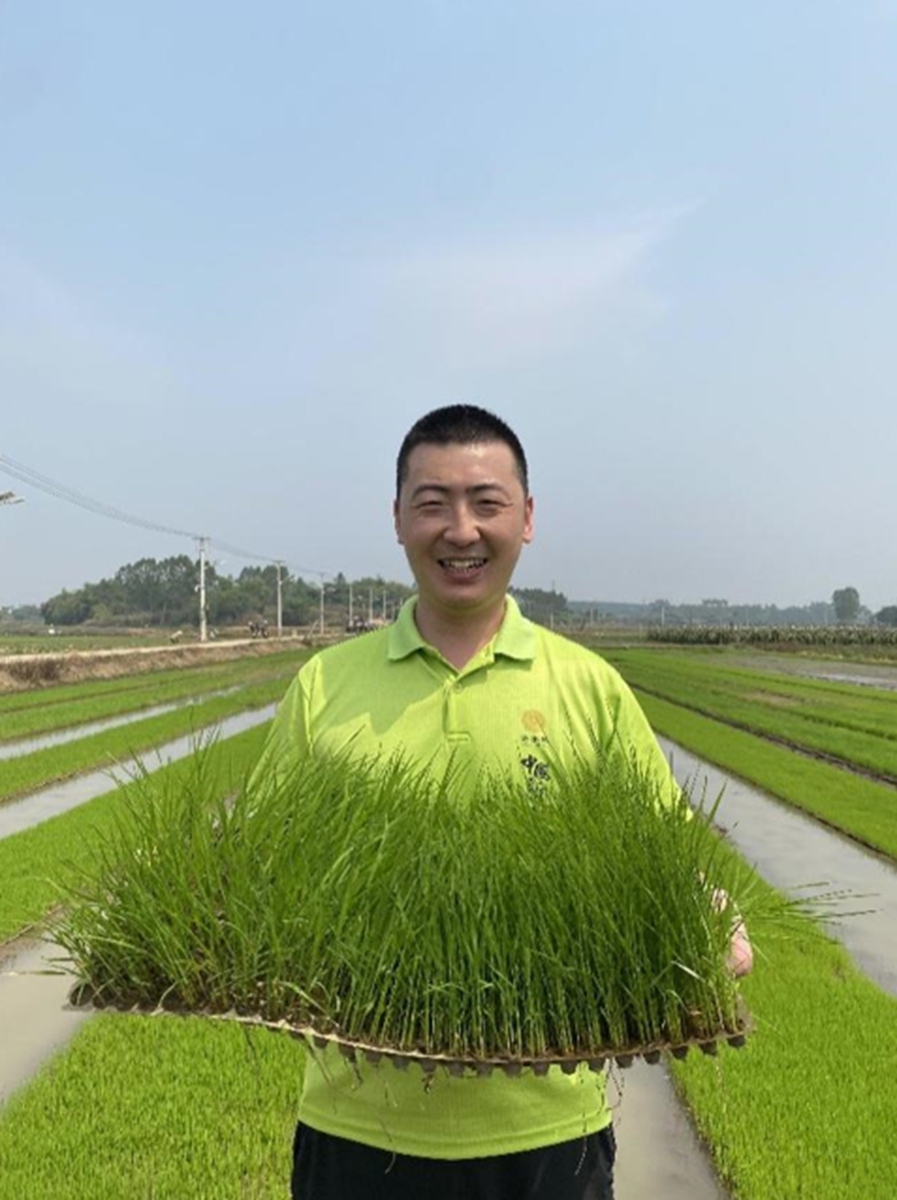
<point>22,672</point>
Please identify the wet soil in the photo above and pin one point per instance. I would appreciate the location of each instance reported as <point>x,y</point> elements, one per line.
<point>659,1156</point>
<point>860,674</point>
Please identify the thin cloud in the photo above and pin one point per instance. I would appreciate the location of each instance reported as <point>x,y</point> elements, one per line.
<point>529,297</point>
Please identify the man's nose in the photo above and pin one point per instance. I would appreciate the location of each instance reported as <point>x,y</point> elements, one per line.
<point>463,529</point>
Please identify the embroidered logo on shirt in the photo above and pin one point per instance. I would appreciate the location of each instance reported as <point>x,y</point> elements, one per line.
<point>537,770</point>
<point>533,721</point>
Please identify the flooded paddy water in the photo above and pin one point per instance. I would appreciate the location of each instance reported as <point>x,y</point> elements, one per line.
<point>791,850</point>
<point>860,674</point>
<point>34,1019</point>
<point>658,1152</point>
<point>31,810</point>
<point>60,737</point>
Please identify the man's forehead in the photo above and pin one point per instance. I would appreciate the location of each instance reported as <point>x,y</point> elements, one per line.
<point>479,461</point>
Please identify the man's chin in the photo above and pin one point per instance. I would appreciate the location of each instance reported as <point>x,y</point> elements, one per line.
<point>461,601</point>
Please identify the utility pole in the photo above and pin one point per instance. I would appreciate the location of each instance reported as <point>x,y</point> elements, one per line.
<point>203,624</point>
<point>384,604</point>
<point>370,606</point>
<point>279,566</point>
<point>322,605</point>
<point>350,604</point>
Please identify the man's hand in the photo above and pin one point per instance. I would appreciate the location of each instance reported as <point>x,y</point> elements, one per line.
<point>741,955</point>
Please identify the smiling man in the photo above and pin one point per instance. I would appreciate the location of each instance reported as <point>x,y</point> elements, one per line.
<point>460,680</point>
<point>463,513</point>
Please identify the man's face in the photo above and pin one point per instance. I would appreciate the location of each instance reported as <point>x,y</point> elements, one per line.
<point>463,517</point>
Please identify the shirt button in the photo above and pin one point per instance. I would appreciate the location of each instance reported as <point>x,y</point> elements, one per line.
<point>459,687</point>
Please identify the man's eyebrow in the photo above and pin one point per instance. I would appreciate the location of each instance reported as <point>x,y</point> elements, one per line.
<point>444,490</point>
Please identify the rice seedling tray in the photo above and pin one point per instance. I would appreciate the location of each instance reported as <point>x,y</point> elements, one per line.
<point>83,998</point>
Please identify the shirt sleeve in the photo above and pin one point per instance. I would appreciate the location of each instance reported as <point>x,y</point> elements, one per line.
<point>635,737</point>
<point>289,738</point>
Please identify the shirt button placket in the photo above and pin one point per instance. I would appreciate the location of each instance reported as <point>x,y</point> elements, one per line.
<point>453,724</point>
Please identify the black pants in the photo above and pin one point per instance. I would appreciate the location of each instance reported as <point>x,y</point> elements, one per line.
<point>331,1168</point>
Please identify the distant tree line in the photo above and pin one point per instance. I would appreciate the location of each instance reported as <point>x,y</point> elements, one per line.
<point>844,608</point>
<point>707,612</point>
<point>853,625</point>
<point>542,606</point>
<point>165,593</point>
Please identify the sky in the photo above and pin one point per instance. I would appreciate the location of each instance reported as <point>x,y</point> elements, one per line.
<point>243,248</point>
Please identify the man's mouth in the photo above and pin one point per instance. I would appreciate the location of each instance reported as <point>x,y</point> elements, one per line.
<point>462,564</point>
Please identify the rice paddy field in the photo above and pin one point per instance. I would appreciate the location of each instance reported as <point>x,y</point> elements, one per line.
<point>183,1108</point>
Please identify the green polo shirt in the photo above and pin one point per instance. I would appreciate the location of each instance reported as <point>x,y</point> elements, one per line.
<point>527,700</point>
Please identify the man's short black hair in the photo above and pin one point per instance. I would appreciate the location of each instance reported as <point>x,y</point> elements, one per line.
<point>460,425</point>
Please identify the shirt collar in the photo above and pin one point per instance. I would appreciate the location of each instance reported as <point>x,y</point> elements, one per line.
<point>515,638</point>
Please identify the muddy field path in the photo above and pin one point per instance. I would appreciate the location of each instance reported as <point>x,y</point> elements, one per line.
<point>35,1022</point>
<point>27,811</point>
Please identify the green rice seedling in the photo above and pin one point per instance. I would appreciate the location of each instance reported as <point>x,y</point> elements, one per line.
<point>97,751</point>
<point>859,730</point>
<point>31,861</point>
<point>809,1107</point>
<point>190,1108</point>
<point>30,714</point>
<point>372,904</point>
<point>861,808</point>
<point>180,1110</point>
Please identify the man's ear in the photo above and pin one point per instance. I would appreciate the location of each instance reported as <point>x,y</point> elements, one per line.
<point>396,523</point>
<point>529,531</point>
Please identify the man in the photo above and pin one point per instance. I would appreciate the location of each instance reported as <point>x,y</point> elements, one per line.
<point>460,678</point>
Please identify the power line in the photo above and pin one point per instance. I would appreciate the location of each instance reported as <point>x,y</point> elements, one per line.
<point>60,491</point>
<point>44,484</point>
